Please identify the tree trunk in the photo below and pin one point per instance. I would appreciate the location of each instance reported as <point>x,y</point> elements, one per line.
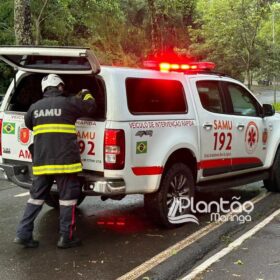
<point>37,32</point>
<point>38,22</point>
<point>248,74</point>
<point>155,33</point>
<point>247,61</point>
<point>22,22</point>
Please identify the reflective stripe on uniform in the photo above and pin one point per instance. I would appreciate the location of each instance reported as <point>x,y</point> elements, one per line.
<point>68,202</point>
<point>57,169</point>
<point>54,128</point>
<point>88,96</point>
<point>35,201</point>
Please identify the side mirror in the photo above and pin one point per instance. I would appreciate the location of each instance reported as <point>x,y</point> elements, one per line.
<point>268,110</point>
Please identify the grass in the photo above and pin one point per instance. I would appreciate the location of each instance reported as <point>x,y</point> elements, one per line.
<point>277,106</point>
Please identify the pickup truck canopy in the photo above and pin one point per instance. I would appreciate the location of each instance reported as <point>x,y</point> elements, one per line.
<point>59,60</point>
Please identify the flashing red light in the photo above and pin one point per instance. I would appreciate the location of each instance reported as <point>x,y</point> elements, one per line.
<point>179,67</point>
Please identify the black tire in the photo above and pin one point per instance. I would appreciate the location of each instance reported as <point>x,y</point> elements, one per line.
<point>273,183</point>
<point>53,200</point>
<point>176,181</point>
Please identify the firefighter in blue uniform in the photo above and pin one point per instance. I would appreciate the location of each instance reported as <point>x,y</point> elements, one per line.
<point>56,157</point>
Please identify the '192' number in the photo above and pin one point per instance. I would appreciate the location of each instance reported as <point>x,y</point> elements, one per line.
<point>222,140</point>
<point>82,146</point>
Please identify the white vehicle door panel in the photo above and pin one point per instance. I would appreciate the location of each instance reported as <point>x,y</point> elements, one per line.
<point>250,129</point>
<point>216,139</point>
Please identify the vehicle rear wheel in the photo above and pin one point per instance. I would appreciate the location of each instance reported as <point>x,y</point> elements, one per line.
<point>177,184</point>
<point>273,183</point>
<point>53,200</point>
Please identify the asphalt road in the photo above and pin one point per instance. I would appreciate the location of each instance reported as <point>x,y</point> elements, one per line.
<point>257,258</point>
<point>127,239</point>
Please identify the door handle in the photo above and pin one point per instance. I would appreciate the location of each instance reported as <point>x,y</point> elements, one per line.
<point>240,126</point>
<point>208,126</point>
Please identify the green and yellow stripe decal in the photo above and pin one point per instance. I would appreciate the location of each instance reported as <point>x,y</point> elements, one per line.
<point>57,169</point>
<point>54,128</point>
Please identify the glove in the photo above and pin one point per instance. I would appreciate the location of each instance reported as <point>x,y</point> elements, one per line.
<point>84,94</point>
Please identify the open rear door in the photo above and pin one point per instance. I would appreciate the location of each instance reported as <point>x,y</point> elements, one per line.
<point>59,60</point>
<point>56,60</point>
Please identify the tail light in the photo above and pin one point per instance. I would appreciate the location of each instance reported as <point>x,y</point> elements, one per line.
<point>1,122</point>
<point>114,149</point>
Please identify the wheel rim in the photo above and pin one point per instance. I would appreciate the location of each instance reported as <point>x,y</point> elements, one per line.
<point>178,188</point>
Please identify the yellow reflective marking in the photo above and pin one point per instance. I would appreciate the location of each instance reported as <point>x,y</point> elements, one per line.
<point>55,172</point>
<point>54,125</point>
<point>54,131</point>
<point>88,96</point>
<point>51,169</point>
<point>54,128</point>
<point>58,166</point>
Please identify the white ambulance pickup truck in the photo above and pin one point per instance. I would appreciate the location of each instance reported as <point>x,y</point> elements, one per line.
<point>164,132</point>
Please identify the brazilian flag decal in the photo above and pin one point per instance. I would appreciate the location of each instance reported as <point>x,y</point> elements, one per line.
<point>9,128</point>
<point>141,147</point>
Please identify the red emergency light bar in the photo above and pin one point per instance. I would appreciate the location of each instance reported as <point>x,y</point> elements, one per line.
<point>180,67</point>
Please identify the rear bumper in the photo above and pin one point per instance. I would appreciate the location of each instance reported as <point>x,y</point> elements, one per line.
<point>18,174</point>
<point>93,185</point>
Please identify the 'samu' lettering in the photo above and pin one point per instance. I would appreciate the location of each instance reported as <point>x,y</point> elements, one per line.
<point>24,154</point>
<point>223,125</point>
<point>86,135</point>
<point>47,113</point>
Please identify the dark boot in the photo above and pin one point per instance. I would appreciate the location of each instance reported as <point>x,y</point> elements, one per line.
<point>65,242</point>
<point>27,243</point>
<point>67,227</point>
<point>26,225</point>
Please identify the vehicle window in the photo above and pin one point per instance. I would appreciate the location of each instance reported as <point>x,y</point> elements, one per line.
<point>6,76</point>
<point>242,102</point>
<point>50,62</point>
<point>154,96</point>
<point>29,91</point>
<point>210,96</point>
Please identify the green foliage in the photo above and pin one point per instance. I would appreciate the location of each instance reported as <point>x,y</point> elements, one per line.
<point>6,38</point>
<point>235,34</point>
<point>269,37</point>
<point>227,33</point>
<point>6,22</point>
<point>277,107</point>
<point>6,74</point>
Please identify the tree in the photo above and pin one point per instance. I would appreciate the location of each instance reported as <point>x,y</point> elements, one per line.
<point>22,22</point>
<point>38,21</point>
<point>6,23</point>
<point>269,37</point>
<point>53,22</point>
<point>169,22</point>
<point>155,33</point>
<point>228,34</point>
<point>251,15</point>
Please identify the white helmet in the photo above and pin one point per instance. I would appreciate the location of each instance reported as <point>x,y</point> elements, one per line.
<point>52,80</point>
